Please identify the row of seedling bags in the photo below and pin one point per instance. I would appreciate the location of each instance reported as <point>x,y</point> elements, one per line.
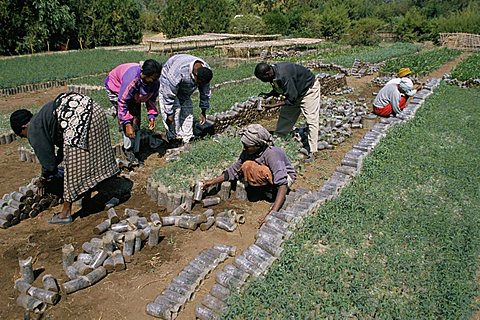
<point>23,204</point>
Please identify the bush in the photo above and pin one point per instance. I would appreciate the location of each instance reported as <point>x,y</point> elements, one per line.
<point>276,22</point>
<point>334,22</point>
<point>189,17</point>
<point>467,20</point>
<point>248,23</point>
<point>365,32</point>
<point>413,26</point>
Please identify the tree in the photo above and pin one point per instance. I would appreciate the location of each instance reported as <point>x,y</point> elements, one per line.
<point>188,17</point>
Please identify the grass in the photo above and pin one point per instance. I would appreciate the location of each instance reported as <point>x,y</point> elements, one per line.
<point>401,242</point>
<point>421,63</point>
<point>63,66</point>
<point>468,69</point>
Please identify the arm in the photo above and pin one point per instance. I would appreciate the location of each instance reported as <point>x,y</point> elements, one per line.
<point>205,95</point>
<point>289,91</point>
<point>152,110</point>
<point>395,102</point>
<point>125,96</point>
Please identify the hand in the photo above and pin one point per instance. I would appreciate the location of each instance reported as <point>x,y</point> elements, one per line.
<point>40,184</point>
<point>202,119</point>
<point>129,132</point>
<point>151,123</point>
<point>170,119</point>
<point>261,219</point>
<point>206,184</point>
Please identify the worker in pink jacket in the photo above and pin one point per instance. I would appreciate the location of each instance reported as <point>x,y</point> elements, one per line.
<point>128,85</point>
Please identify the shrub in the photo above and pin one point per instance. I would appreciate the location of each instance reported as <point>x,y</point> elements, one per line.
<point>248,23</point>
<point>365,32</point>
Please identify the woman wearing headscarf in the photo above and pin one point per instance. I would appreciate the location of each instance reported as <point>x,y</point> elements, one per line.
<point>264,168</point>
<point>78,128</point>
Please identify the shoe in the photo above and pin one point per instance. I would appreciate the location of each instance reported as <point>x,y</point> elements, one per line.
<point>130,156</point>
<point>310,158</point>
<point>57,220</point>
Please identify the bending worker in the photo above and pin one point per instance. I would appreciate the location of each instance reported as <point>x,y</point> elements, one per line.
<point>78,127</point>
<point>128,85</point>
<point>302,94</point>
<point>182,74</point>
<point>264,168</point>
<point>392,98</point>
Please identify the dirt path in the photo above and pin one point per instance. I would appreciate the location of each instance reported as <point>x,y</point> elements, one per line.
<point>123,295</point>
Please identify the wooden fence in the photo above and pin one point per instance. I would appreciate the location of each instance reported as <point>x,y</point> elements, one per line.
<point>463,41</point>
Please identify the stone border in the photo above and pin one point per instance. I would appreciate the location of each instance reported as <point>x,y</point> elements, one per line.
<point>32,87</point>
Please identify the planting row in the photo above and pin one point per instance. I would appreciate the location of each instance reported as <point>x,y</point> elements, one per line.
<point>280,225</point>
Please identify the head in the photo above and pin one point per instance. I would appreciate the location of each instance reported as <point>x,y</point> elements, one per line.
<point>255,139</point>
<point>404,72</point>
<point>202,75</point>
<point>19,121</point>
<point>151,70</point>
<point>264,72</point>
<point>406,87</point>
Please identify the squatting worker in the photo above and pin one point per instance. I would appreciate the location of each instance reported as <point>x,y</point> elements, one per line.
<point>302,94</point>
<point>78,127</point>
<point>405,74</point>
<point>392,98</point>
<point>128,85</point>
<point>264,168</point>
<point>181,75</point>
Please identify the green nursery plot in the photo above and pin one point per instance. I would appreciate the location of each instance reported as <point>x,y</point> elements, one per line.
<point>421,63</point>
<point>345,56</point>
<point>220,74</point>
<point>401,242</point>
<point>62,66</point>
<point>468,69</point>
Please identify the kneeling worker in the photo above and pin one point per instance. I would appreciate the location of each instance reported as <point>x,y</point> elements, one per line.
<point>392,98</point>
<point>264,168</point>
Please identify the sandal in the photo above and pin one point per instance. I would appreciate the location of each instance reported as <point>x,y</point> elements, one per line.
<point>57,220</point>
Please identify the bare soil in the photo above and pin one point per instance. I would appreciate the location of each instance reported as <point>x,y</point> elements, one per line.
<point>124,295</point>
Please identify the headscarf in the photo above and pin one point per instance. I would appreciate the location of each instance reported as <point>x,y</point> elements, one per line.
<point>407,86</point>
<point>18,119</point>
<point>255,135</point>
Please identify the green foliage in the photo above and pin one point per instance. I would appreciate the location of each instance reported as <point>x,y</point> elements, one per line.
<point>421,63</point>
<point>189,17</point>
<point>276,22</point>
<point>401,242</point>
<point>32,26</point>
<point>413,26</point>
<point>28,27</point>
<point>345,56</point>
<point>467,20</point>
<point>334,21</point>
<point>248,23</point>
<point>205,159</point>
<point>102,23</point>
<point>468,69</point>
<point>365,32</point>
